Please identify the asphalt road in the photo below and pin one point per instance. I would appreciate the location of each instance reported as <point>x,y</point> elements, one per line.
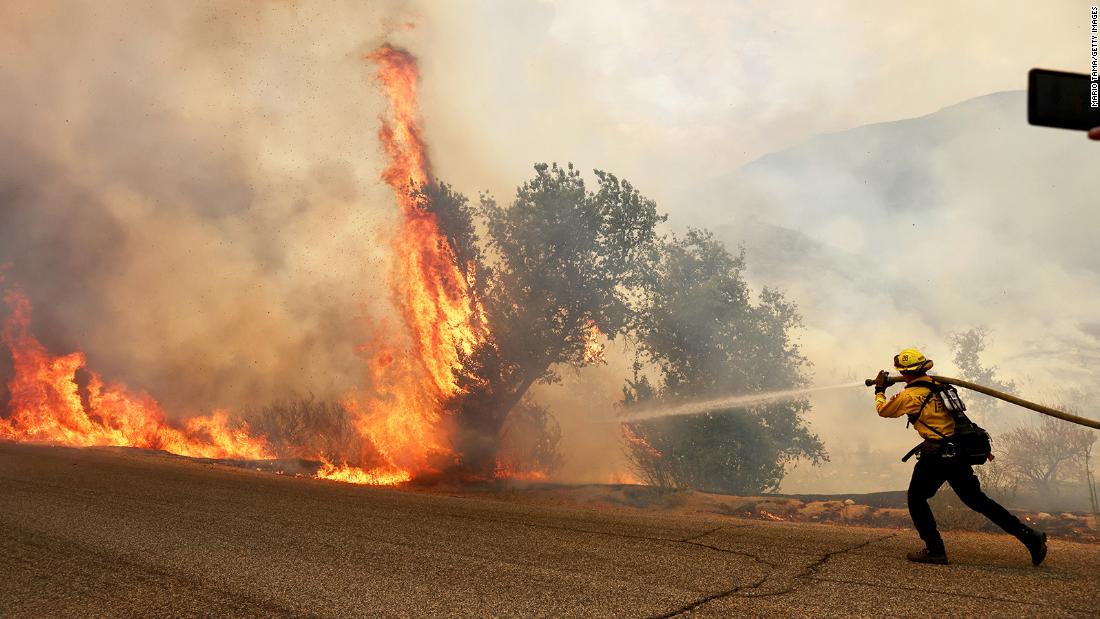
<point>111,533</point>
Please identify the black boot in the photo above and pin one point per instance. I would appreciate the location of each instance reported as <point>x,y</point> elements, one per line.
<point>927,556</point>
<point>1036,542</point>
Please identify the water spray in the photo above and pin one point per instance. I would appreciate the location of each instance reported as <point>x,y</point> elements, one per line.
<point>1000,395</point>
<point>727,402</point>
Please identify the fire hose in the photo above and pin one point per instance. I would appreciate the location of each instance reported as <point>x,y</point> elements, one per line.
<point>1000,395</point>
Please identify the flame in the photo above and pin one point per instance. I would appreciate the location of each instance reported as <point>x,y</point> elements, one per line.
<point>639,440</point>
<point>47,406</point>
<point>403,416</point>
<point>356,475</point>
<point>593,347</point>
<point>428,282</point>
<point>623,478</point>
<point>506,471</point>
<point>400,418</point>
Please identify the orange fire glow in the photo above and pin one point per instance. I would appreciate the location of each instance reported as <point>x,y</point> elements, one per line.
<point>47,405</point>
<point>428,282</point>
<point>403,415</point>
<point>594,353</point>
<point>504,471</point>
<point>623,478</point>
<point>400,415</point>
<point>638,440</point>
<point>356,475</point>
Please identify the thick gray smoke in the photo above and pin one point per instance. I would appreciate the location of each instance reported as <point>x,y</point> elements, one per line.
<point>189,194</point>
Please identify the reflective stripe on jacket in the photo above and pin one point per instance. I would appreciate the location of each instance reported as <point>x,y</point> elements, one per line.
<point>908,402</point>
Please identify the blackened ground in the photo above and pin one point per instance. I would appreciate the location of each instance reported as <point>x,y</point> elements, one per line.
<point>134,534</point>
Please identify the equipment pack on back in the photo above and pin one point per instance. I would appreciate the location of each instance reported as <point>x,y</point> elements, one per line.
<point>970,442</point>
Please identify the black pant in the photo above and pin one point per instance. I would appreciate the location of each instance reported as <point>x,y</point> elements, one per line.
<point>929,474</point>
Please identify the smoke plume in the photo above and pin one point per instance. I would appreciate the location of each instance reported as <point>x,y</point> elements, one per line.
<point>191,195</point>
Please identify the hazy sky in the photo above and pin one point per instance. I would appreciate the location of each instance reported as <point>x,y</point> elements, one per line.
<point>669,92</point>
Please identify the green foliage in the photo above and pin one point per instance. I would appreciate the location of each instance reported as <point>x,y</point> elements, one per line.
<point>703,331</point>
<point>455,218</point>
<point>735,451</point>
<point>562,259</point>
<point>565,258</point>
<point>704,334</point>
<point>558,261</point>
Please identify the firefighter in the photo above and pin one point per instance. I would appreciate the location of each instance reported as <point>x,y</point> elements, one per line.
<point>935,464</point>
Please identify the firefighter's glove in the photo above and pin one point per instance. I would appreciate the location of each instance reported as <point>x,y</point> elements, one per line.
<point>880,381</point>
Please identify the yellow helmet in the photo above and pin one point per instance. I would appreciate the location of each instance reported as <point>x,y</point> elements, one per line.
<point>911,360</point>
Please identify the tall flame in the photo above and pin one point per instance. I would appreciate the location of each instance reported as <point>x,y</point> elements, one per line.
<point>401,418</point>
<point>428,282</point>
<point>404,417</point>
<point>47,405</point>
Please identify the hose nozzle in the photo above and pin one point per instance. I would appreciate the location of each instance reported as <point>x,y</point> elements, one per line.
<point>892,380</point>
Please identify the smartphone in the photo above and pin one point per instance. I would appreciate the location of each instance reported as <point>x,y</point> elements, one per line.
<point>1064,100</point>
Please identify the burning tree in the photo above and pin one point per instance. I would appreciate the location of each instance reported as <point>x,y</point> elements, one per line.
<point>401,415</point>
<point>481,319</point>
<point>703,334</point>
<point>489,317</point>
<point>491,299</point>
<point>558,268</point>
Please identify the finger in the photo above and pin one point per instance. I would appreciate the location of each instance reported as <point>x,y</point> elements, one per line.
<point>1094,134</point>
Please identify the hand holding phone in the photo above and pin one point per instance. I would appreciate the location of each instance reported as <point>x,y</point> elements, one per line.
<point>1063,100</point>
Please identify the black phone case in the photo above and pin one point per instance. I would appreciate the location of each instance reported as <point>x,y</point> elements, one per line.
<point>1068,108</point>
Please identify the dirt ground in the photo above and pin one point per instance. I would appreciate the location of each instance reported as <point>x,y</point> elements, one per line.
<point>883,509</point>
<point>91,532</point>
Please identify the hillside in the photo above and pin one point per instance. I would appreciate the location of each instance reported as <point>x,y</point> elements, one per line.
<point>898,234</point>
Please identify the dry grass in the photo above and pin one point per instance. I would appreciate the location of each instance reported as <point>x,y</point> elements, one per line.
<point>308,427</point>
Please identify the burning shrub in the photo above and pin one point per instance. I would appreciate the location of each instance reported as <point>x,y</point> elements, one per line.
<point>649,464</point>
<point>307,427</point>
<point>529,442</point>
<point>49,403</point>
